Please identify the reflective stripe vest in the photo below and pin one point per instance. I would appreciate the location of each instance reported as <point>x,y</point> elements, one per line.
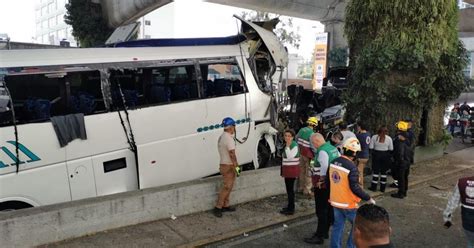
<point>332,152</point>
<point>303,138</point>
<point>466,191</point>
<point>290,166</point>
<point>341,195</point>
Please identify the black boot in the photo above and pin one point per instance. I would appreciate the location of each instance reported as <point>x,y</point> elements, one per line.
<point>383,182</point>
<point>375,181</point>
<point>315,240</point>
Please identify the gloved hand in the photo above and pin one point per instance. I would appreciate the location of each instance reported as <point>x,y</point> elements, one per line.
<point>237,170</point>
<point>372,201</point>
<point>447,224</point>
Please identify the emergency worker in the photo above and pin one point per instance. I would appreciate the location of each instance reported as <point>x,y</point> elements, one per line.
<point>324,155</point>
<point>381,145</point>
<point>402,155</point>
<point>290,169</point>
<point>363,156</point>
<point>453,120</point>
<point>463,195</point>
<point>228,166</point>
<point>306,155</point>
<point>345,191</point>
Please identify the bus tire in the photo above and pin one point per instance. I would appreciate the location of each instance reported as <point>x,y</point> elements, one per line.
<point>13,205</point>
<point>264,154</point>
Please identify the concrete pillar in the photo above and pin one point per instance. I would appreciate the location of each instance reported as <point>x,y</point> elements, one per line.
<point>335,28</point>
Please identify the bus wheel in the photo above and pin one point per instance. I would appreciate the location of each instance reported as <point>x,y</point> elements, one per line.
<point>264,154</point>
<point>13,205</point>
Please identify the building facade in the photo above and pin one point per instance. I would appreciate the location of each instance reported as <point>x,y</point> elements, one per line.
<point>466,33</point>
<point>50,25</point>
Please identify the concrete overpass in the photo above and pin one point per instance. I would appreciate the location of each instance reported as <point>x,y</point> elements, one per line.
<point>329,12</point>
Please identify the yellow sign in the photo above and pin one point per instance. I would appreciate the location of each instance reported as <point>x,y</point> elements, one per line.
<point>320,60</point>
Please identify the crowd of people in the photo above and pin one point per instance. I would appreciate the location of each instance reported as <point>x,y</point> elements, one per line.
<point>331,169</point>
<point>460,116</point>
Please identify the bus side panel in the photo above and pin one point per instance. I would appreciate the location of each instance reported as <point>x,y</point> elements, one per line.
<point>44,185</point>
<point>170,147</point>
<point>81,178</point>
<point>104,134</point>
<point>173,161</point>
<point>234,107</point>
<point>39,146</point>
<point>115,172</point>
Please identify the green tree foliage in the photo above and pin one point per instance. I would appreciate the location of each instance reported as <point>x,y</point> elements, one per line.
<point>284,29</point>
<point>88,24</point>
<point>337,57</point>
<point>406,59</point>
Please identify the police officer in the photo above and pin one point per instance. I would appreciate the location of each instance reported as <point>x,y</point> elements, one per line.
<point>464,194</point>
<point>303,139</point>
<point>345,191</point>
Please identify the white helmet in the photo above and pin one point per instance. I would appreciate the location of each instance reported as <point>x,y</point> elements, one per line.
<point>352,144</point>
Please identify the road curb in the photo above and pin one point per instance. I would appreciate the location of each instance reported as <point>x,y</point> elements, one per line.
<point>284,219</point>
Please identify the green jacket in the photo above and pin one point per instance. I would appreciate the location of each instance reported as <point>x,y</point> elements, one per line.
<point>332,152</point>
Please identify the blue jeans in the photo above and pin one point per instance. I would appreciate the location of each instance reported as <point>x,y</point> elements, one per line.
<point>470,238</point>
<point>340,217</point>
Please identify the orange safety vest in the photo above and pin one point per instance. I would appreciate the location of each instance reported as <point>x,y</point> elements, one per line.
<point>341,195</point>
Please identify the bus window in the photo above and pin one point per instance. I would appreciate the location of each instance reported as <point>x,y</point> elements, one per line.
<point>85,92</point>
<point>36,97</point>
<point>222,80</point>
<point>182,82</point>
<point>131,85</point>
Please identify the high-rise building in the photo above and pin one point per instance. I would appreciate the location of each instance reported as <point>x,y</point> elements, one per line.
<point>50,25</point>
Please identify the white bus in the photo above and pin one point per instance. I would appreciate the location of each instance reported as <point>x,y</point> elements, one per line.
<point>152,114</point>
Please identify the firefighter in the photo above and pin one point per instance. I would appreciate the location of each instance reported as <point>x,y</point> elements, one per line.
<point>303,139</point>
<point>463,194</point>
<point>290,169</point>
<point>345,191</point>
<point>402,154</point>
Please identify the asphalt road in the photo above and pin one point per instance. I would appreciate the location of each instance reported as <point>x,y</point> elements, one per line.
<point>416,222</point>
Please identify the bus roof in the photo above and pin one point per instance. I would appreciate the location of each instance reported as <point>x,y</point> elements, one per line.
<point>208,41</point>
<point>84,56</point>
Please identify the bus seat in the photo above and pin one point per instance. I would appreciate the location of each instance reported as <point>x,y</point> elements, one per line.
<point>38,109</point>
<point>159,93</point>
<point>181,92</point>
<point>83,102</point>
<point>223,87</point>
<point>131,98</point>
<point>236,87</point>
<point>209,90</point>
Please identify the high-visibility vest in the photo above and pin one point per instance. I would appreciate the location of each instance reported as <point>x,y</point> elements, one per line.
<point>290,167</point>
<point>341,195</point>
<point>332,152</point>
<point>303,138</point>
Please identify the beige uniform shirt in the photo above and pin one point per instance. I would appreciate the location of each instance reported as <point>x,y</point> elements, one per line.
<point>224,145</point>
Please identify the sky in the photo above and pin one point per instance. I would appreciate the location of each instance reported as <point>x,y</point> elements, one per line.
<point>176,20</point>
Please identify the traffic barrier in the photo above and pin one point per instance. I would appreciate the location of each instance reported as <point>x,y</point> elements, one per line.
<point>47,224</point>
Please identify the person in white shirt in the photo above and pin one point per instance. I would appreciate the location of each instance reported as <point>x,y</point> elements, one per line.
<point>381,145</point>
<point>346,133</point>
<point>227,167</point>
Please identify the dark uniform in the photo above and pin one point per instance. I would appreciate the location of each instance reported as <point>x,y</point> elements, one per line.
<point>463,195</point>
